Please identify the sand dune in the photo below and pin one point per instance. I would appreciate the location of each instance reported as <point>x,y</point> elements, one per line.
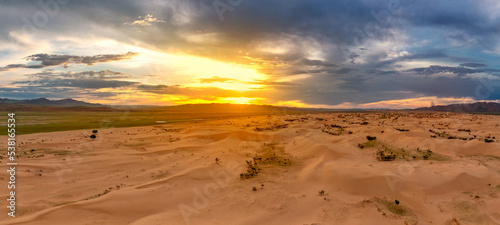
<point>309,172</point>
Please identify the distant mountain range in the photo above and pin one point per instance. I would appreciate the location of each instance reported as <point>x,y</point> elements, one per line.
<point>47,102</point>
<point>465,108</point>
<point>46,105</point>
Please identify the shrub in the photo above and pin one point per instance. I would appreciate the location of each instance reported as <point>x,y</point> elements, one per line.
<point>93,136</point>
<point>385,155</point>
<point>371,138</point>
<point>94,131</point>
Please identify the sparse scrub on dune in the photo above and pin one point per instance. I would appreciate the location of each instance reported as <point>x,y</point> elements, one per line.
<point>160,174</point>
<point>468,211</point>
<point>385,155</point>
<point>273,127</point>
<point>334,129</point>
<point>171,129</point>
<point>425,153</point>
<point>402,129</point>
<point>370,144</point>
<point>252,170</point>
<point>448,136</point>
<point>269,155</point>
<point>393,207</point>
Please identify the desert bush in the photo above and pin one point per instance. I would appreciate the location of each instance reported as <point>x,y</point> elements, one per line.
<point>371,138</point>
<point>384,155</point>
<point>252,170</point>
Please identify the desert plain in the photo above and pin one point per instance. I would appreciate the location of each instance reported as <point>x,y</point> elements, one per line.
<point>332,168</point>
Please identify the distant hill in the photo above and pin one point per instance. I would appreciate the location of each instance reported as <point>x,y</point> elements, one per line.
<point>43,101</point>
<point>239,108</point>
<point>228,108</point>
<point>46,105</point>
<point>478,107</point>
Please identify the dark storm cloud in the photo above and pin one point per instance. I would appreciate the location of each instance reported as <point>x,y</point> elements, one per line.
<point>333,41</point>
<point>473,65</point>
<point>16,66</point>
<point>100,75</point>
<point>316,62</point>
<point>160,89</point>
<point>30,92</point>
<point>54,60</point>
<point>85,80</point>
<point>328,22</point>
<point>465,17</point>
<point>461,71</point>
<point>47,60</point>
<point>479,89</point>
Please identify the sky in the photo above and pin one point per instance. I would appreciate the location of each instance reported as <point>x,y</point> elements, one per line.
<point>300,53</point>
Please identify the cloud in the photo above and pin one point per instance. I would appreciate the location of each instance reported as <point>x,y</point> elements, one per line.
<point>316,62</point>
<point>322,49</point>
<point>473,65</point>
<point>215,79</point>
<point>146,21</point>
<point>206,93</point>
<point>84,80</point>
<point>461,71</point>
<point>30,92</point>
<point>48,60</point>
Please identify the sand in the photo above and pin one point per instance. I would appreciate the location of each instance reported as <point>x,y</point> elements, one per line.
<point>309,172</point>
